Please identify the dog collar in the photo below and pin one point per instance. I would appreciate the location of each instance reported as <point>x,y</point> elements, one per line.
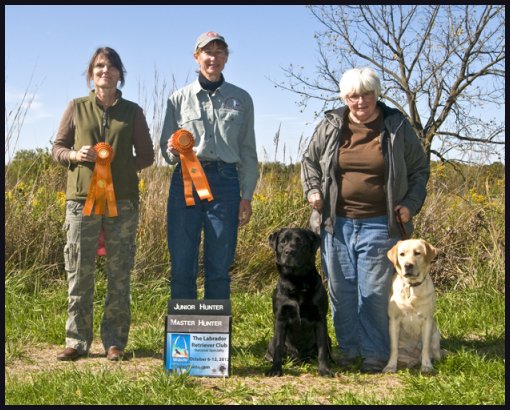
<point>413,285</point>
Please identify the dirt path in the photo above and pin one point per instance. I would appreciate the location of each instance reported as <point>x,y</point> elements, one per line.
<point>42,358</point>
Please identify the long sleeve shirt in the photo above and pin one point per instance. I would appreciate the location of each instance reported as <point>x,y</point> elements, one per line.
<point>222,123</point>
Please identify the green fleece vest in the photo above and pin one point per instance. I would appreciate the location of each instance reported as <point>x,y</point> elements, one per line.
<point>88,120</point>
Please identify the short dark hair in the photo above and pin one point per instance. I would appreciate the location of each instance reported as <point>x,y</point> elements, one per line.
<point>114,59</point>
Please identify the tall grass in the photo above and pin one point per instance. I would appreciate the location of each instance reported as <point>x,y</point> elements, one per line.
<point>152,259</point>
<point>463,216</point>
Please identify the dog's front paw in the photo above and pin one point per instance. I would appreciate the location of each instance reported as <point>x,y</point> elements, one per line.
<point>427,369</point>
<point>273,371</point>
<point>390,368</point>
<point>325,371</point>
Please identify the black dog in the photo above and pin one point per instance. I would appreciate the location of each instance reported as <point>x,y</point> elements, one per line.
<point>300,302</point>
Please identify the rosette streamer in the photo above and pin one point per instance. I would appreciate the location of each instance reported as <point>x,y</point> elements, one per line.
<point>101,187</point>
<point>192,171</point>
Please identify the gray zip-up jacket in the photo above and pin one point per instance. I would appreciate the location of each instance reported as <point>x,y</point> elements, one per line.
<point>405,163</point>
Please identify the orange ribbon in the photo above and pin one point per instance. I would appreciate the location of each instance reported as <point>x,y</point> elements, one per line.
<point>192,171</point>
<point>101,186</point>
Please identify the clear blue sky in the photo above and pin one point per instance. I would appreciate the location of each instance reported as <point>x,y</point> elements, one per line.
<point>47,49</point>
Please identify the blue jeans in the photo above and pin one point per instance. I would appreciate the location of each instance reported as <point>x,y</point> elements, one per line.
<point>359,280</point>
<point>217,219</point>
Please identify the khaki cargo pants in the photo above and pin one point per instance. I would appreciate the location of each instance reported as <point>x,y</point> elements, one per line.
<point>82,233</point>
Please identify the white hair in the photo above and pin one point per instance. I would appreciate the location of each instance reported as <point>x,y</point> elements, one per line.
<point>359,81</point>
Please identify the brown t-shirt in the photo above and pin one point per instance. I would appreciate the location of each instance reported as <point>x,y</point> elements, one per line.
<point>361,177</point>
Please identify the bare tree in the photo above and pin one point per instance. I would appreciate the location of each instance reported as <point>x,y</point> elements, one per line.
<point>442,65</point>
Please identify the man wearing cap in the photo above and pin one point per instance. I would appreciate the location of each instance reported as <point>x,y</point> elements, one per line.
<point>221,118</point>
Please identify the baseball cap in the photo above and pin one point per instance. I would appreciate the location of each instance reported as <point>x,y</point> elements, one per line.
<point>207,37</point>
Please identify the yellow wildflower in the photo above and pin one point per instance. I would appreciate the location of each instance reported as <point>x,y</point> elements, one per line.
<point>61,198</point>
<point>440,170</point>
<point>476,197</point>
<point>21,187</point>
<point>141,186</point>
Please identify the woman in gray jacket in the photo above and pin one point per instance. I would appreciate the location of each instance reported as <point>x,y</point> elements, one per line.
<point>365,172</point>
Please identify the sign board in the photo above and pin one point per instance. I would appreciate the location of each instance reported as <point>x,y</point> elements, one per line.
<point>197,337</point>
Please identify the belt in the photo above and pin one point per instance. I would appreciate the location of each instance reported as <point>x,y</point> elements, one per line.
<point>213,163</point>
<point>210,162</point>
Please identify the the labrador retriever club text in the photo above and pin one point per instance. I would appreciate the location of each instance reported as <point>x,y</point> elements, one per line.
<point>198,341</point>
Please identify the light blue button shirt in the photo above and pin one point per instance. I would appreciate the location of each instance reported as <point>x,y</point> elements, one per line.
<point>222,124</point>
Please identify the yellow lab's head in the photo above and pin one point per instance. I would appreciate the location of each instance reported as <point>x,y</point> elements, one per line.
<point>412,259</point>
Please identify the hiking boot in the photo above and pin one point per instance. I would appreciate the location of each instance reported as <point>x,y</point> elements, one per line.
<point>69,354</point>
<point>115,354</point>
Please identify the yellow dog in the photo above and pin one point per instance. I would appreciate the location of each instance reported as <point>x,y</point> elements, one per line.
<point>413,331</point>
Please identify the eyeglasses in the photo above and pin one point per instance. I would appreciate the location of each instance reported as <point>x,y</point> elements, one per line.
<point>215,53</point>
<point>356,97</point>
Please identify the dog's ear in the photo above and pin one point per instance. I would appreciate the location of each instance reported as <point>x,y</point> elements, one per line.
<point>392,254</point>
<point>431,252</point>
<point>315,239</point>
<point>273,239</point>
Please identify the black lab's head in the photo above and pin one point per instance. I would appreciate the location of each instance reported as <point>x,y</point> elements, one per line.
<point>294,247</point>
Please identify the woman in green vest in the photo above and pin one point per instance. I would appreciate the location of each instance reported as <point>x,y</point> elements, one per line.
<point>103,140</point>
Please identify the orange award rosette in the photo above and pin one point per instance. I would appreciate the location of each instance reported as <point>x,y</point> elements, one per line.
<point>101,187</point>
<point>192,171</point>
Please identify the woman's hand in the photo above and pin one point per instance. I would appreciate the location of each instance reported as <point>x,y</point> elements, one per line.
<point>87,153</point>
<point>403,212</point>
<point>244,212</point>
<point>170,147</point>
<point>316,202</point>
